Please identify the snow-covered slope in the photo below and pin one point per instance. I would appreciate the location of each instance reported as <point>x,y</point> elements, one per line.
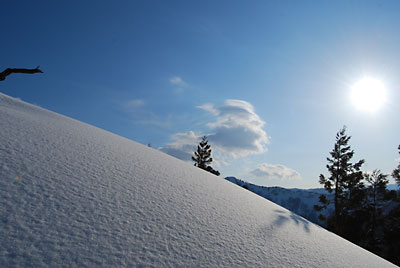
<point>299,201</point>
<point>73,195</point>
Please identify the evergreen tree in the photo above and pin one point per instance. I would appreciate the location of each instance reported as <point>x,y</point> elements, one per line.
<point>375,197</point>
<point>202,156</point>
<point>396,172</point>
<point>345,181</point>
<point>391,229</point>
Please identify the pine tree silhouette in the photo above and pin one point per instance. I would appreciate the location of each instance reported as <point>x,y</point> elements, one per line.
<point>203,157</point>
<point>345,180</point>
<point>375,203</point>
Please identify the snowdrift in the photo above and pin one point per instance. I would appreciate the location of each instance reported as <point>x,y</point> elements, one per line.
<point>73,195</point>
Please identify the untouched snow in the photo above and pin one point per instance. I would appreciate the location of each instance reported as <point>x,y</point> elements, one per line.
<point>73,195</point>
<point>299,201</point>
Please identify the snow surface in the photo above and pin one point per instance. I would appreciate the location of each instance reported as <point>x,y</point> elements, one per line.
<point>299,201</point>
<point>73,195</point>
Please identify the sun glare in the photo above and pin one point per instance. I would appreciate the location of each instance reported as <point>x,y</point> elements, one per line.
<point>368,94</point>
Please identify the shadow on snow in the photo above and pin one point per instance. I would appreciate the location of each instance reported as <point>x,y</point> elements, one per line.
<point>286,216</point>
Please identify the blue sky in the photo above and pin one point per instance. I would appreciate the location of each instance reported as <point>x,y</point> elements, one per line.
<point>268,81</point>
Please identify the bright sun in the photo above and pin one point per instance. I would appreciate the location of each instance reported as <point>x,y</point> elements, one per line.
<point>368,94</point>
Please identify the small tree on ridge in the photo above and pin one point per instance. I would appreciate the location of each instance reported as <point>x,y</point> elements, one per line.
<point>203,157</point>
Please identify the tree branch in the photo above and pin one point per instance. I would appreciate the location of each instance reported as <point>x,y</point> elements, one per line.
<point>9,71</point>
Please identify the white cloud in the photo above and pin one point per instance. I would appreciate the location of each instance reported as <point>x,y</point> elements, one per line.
<point>179,83</point>
<point>238,130</point>
<point>140,114</point>
<point>185,138</point>
<point>133,103</point>
<point>209,107</point>
<point>183,145</point>
<point>275,171</point>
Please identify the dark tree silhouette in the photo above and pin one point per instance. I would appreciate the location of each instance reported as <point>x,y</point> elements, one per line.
<point>344,180</point>
<point>203,158</point>
<point>396,172</point>
<point>392,236</point>
<point>375,201</point>
<point>9,71</point>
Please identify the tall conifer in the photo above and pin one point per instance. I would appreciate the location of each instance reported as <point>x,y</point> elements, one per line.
<point>375,199</point>
<point>345,181</point>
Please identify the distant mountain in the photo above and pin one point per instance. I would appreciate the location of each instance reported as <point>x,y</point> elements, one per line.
<point>300,201</point>
<point>393,187</point>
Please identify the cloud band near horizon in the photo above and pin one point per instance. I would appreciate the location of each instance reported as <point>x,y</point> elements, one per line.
<point>275,171</point>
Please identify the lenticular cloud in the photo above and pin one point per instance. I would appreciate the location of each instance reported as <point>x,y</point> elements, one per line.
<point>237,129</point>
<point>183,145</point>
